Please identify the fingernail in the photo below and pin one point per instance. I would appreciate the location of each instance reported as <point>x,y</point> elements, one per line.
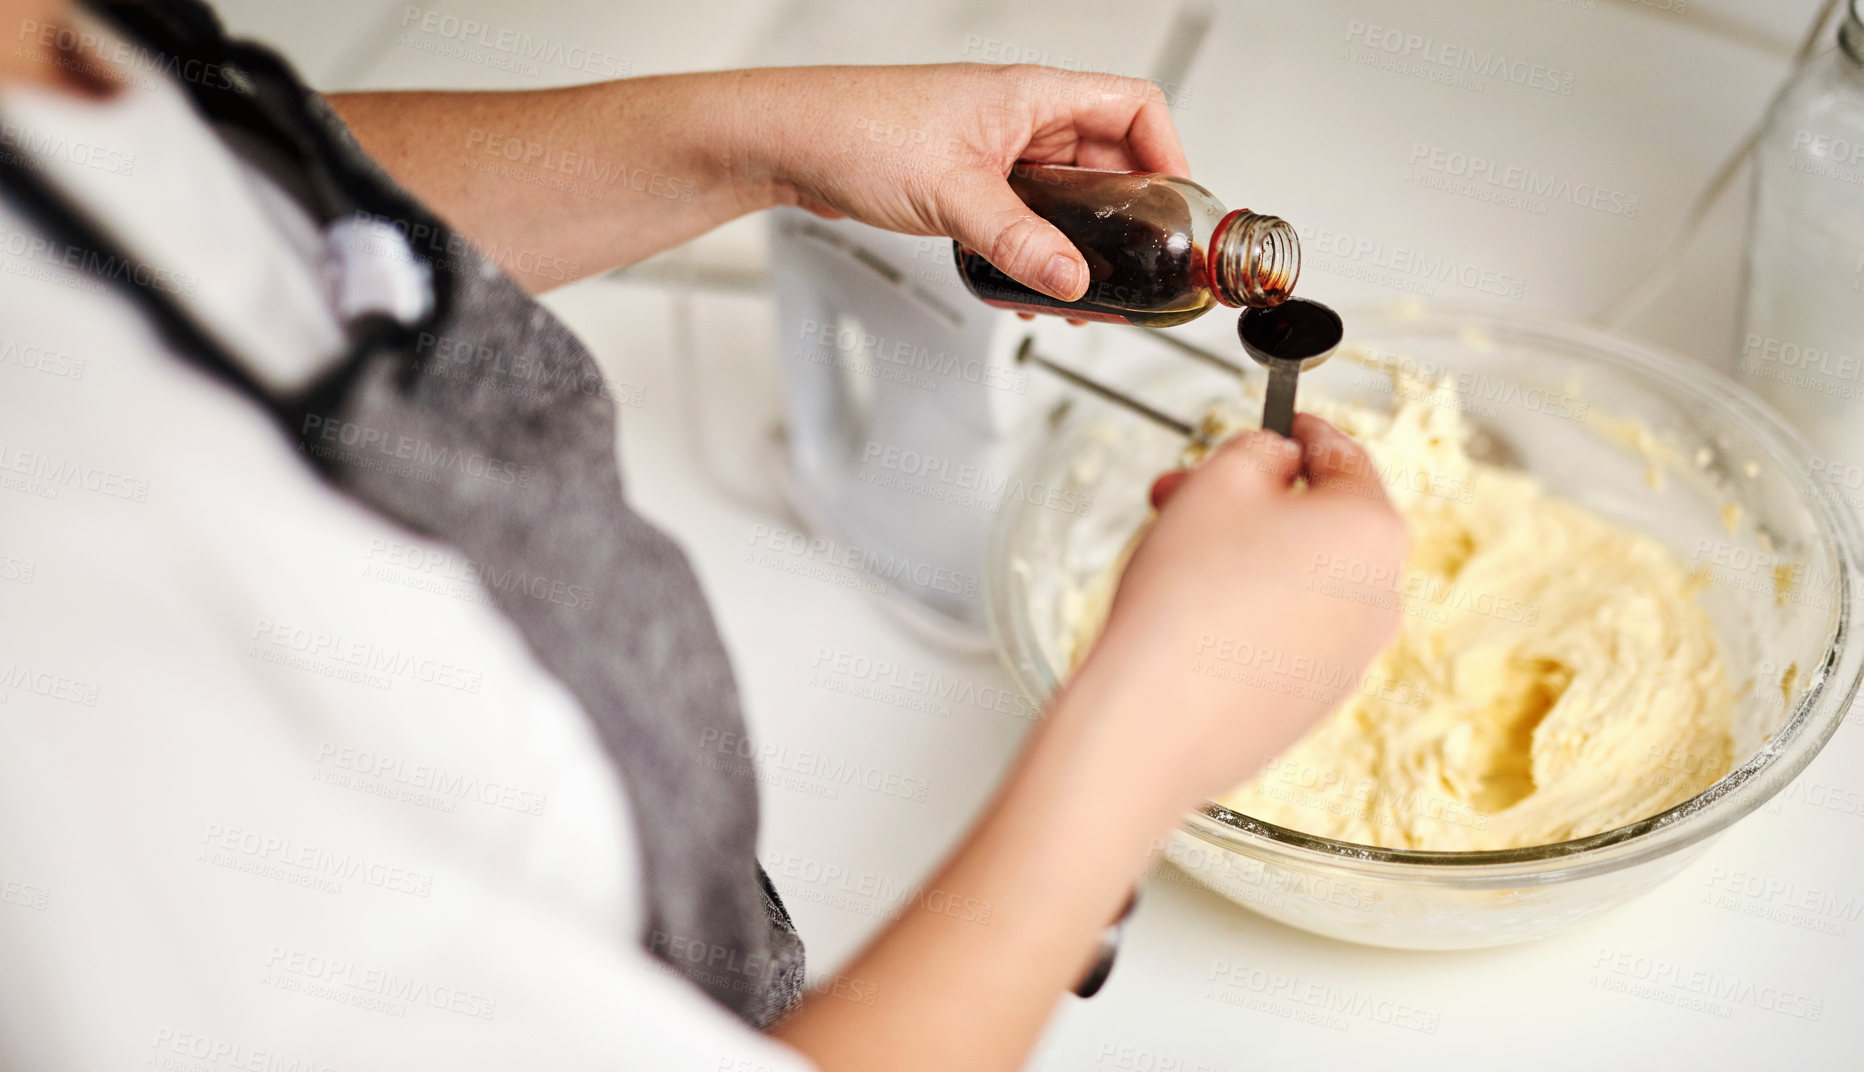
<point>1273,442</point>
<point>1060,275</point>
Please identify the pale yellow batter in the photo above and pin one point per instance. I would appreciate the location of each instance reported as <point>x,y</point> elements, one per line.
<point>1553,676</point>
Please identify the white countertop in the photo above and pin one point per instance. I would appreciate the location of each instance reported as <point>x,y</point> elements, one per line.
<point>1336,143</point>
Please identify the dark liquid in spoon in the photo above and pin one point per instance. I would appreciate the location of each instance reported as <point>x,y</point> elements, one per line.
<point>1295,330</point>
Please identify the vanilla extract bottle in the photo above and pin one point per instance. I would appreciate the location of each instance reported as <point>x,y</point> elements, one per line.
<point>1160,250</point>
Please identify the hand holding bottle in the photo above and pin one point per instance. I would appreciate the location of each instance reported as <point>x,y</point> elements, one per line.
<point>927,150</point>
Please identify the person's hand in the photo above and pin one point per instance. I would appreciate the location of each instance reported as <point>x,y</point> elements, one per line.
<point>1251,608</point>
<point>927,150</point>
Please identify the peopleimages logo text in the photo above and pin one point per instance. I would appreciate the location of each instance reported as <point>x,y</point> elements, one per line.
<point>473,33</point>
<point>1471,168</point>
<point>1483,63</point>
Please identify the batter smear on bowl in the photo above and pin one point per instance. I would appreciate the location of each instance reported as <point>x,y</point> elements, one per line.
<point>1553,676</point>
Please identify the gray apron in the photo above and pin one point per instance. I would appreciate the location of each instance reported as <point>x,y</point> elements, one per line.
<point>514,463</point>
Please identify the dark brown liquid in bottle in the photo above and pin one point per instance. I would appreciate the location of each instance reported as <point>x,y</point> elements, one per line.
<point>1141,268</point>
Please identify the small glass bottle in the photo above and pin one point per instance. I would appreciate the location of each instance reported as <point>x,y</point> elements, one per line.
<point>1160,249</point>
<point>1802,307</point>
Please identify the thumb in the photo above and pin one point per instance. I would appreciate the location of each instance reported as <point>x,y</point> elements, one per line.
<point>995,222</point>
<point>1255,461</point>
<point>1336,461</point>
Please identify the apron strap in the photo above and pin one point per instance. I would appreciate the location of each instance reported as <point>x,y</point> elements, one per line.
<point>65,223</point>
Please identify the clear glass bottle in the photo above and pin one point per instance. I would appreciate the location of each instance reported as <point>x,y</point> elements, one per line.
<point>1802,309</point>
<point>1160,249</point>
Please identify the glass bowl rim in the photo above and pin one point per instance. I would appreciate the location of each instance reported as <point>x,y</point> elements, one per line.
<point>1828,694</point>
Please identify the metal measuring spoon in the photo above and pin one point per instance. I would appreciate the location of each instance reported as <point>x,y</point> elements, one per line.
<point>1288,339</point>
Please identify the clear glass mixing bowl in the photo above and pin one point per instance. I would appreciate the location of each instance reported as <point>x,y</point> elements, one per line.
<point>1648,440</point>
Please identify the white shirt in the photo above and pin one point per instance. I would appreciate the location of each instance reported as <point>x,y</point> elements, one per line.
<point>279,789</point>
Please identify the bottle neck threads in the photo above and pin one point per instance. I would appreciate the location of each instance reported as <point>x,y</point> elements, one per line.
<point>1254,260</point>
